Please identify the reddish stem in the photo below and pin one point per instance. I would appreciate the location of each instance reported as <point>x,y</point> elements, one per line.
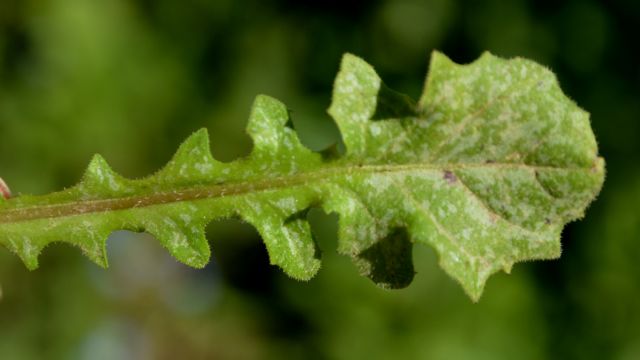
<point>4,189</point>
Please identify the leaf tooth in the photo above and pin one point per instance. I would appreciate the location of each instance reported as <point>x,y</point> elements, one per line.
<point>467,271</point>
<point>268,127</point>
<point>182,235</point>
<point>290,246</point>
<point>287,237</point>
<point>26,249</point>
<point>100,178</point>
<point>276,144</point>
<point>192,162</point>
<point>96,253</point>
<point>354,101</point>
<point>426,227</point>
<point>507,266</point>
<point>357,226</point>
<point>91,238</point>
<point>266,122</point>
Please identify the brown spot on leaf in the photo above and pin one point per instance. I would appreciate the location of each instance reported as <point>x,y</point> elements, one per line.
<point>450,177</point>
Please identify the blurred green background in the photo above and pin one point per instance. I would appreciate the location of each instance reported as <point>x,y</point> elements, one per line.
<point>131,79</point>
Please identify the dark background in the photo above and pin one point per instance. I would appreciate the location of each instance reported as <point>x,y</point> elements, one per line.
<point>131,79</point>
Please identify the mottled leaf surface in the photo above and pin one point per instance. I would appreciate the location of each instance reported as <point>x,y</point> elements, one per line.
<point>487,167</point>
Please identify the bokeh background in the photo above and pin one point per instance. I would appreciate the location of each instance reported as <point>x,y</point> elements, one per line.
<point>131,79</point>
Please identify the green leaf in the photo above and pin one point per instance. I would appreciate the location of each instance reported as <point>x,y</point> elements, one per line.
<point>486,168</point>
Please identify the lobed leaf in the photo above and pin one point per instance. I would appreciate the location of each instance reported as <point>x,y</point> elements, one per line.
<point>486,167</point>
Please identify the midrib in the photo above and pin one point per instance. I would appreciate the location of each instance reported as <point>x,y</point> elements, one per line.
<point>35,212</point>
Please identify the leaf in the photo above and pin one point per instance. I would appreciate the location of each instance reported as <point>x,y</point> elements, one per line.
<point>487,168</point>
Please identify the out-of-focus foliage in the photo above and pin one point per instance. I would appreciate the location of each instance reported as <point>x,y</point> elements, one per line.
<point>130,79</point>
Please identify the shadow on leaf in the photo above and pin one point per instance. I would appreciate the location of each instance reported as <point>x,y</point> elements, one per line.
<point>389,262</point>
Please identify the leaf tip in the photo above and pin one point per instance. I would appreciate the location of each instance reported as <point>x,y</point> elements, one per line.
<point>185,241</point>
<point>263,99</point>
<point>349,60</point>
<point>305,274</point>
<point>438,58</point>
<point>475,296</point>
<point>199,138</point>
<point>29,258</point>
<point>353,64</point>
<point>264,105</point>
<point>486,55</point>
<point>199,261</point>
<point>99,175</point>
<point>192,161</point>
<point>475,288</point>
<point>97,163</point>
<point>96,253</point>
